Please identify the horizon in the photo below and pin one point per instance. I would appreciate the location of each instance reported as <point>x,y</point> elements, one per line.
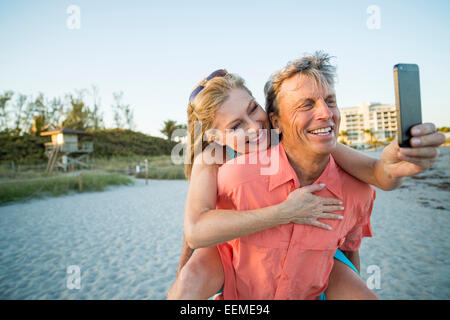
<point>156,52</point>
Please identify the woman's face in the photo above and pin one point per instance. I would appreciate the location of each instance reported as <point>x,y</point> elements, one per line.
<point>242,124</point>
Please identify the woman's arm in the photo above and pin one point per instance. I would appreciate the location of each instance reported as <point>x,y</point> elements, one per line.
<point>186,253</point>
<point>205,226</point>
<point>365,168</point>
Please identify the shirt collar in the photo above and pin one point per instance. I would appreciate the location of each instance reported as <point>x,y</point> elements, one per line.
<point>285,173</point>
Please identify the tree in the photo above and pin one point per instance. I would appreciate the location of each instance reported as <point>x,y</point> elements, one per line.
<point>40,114</point>
<point>39,124</point>
<point>27,119</point>
<point>389,139</point>
<point>96,116</point>
<point>123,114</point>
<point>344,135</point>
<point>19,113</point>
<point>169,128</point>
<point>55,115</point>
<point>79,115</point>
<point>370,133</point>
<point>4,114</point>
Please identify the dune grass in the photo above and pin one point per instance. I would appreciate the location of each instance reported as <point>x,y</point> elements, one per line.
<point>31,181</point>
<point>163,173</point>
<point>159,167</point>
<point>21,190</point>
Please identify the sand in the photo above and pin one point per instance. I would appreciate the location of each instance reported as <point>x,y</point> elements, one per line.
<point>126,241</point>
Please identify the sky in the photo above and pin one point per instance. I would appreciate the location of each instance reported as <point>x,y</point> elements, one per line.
<point>157,51</point>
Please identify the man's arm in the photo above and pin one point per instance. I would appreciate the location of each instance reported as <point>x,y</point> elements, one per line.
<point>395,163</point>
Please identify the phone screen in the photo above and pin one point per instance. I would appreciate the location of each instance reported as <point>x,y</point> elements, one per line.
<point>407,99</point>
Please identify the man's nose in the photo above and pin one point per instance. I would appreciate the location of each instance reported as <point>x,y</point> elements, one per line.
<point>323,111</point>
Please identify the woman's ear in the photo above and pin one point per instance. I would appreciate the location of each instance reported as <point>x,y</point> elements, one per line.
<point>217,139</point>
<point>214,136</point>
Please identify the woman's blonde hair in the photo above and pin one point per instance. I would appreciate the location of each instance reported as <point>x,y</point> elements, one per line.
<point>203,110</point>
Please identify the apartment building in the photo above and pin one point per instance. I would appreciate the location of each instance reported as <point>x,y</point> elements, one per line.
<point>368,122</point>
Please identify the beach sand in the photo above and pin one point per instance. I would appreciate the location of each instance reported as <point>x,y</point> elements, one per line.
<point>126,241</point>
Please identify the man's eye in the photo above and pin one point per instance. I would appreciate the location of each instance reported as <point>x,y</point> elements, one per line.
<point>331,102</point>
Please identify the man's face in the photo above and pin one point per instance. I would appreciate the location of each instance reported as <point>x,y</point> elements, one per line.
<point>309,117</point>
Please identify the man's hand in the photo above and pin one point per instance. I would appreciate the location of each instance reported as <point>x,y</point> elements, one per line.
<point>404,162</point>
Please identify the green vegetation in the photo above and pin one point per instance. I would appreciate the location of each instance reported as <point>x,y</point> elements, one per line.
<point>24,148</point>
<point>164,173</point>
<point>23,118</point>
<point>163,168</point>
<point>117,151</point>
<point>21,114</point>
<point>170,127</point>
<point>16,190</point>
<point>29,149</point>
<point>159,167</point>
<point>126,143</point>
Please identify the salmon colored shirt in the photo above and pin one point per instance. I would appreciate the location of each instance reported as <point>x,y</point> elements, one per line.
<point>289,261</point>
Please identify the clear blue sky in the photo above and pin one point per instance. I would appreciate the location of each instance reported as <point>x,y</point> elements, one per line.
<point>156,51</point>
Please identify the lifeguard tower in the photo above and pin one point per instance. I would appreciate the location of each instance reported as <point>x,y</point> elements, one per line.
<point>69,148</point>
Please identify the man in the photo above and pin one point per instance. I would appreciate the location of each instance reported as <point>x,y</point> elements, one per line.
<point>293,261</point>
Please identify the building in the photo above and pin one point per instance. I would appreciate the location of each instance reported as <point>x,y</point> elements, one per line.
<point>68,148</point>
<point>367,123</point>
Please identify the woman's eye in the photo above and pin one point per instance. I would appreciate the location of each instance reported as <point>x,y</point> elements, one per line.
<point>236,126</point>
<point>254,108</point>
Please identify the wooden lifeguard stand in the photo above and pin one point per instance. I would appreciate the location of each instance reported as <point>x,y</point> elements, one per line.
<point>68,148</point>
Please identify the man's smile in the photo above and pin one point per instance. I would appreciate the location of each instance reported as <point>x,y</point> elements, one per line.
<point>323,131</point>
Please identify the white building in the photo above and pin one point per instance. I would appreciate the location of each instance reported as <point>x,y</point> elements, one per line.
<point>368,122</point>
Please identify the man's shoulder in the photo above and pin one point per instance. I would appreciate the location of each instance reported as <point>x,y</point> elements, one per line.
<point>348,178</point>
<point>352,187</point>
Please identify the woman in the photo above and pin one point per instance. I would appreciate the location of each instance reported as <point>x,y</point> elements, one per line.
<point>206,227</point>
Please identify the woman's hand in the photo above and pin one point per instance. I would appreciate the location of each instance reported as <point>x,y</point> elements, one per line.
<point>302,207</point>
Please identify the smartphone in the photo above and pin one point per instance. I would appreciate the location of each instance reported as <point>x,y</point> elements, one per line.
<point>407,101</point>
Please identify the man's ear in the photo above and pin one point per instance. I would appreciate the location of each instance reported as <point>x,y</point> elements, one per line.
<point>274,120</point>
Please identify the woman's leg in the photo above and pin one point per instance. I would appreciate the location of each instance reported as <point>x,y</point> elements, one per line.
<point>345,284</point>
<point>200,278</point>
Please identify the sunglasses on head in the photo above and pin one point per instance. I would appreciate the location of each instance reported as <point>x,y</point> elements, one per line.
<point>218,73</point>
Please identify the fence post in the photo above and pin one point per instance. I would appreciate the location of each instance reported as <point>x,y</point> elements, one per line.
<point>146,171</point>
<point>80,183</point>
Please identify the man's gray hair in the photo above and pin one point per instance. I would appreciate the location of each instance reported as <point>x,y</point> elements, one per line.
<point>317,66</point>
